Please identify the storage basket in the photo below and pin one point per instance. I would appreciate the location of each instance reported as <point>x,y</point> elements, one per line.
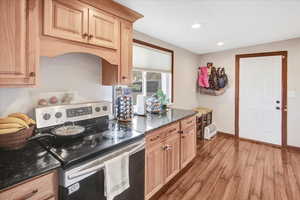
<point>17,140</point>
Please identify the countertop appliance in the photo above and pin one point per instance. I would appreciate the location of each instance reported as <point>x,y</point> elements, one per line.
<point>82,172</point>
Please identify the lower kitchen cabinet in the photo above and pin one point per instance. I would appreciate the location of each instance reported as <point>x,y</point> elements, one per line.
<point>42,188</point>
<point>188,146</point>
<point>154,168</point>
<point>168,150</point>
<point>171,157</point>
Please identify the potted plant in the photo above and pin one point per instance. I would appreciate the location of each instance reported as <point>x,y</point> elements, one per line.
<point>163,99</point>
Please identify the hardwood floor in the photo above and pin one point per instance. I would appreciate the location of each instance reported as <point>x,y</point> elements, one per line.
<point>230,169</point>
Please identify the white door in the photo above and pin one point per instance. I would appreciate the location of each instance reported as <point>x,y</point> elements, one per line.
<point>260,99</point>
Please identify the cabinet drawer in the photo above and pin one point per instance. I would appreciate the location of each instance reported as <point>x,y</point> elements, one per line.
<point>155,137</point>
<point>188,122</point>
<point>42,188</point>
<point>172,129</point>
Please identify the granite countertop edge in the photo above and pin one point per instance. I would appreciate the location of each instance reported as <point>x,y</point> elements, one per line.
<point>24,179</point>
<point>151,130</point>
<point>29,162</point>
<point>148,125</point>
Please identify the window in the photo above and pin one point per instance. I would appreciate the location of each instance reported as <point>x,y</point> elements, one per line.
<point>152,70</point>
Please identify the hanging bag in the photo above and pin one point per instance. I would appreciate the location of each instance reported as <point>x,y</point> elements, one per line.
<point>213,79</point>
<point>222,78</point>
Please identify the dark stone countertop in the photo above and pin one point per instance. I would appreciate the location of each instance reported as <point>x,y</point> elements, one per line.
<point>154,121</point>
<point>19,165</point>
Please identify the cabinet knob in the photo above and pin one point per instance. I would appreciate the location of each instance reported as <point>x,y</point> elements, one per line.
<point>124,77</point>
<point>90,37</point>
<point>32,74</point>
<point>85,35</point>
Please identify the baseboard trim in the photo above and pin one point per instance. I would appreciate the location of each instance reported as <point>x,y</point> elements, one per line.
<point>249,140</point>
<point>226,134</point>
<point>260,142</point>
<point>293,148</point>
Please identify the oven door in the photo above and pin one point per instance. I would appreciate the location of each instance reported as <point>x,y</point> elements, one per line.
<point>92,186</point>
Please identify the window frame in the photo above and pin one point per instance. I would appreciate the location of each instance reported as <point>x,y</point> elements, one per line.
<point>172,61</point>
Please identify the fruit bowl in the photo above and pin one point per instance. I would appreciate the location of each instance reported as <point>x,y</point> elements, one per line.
<point>17,140</point>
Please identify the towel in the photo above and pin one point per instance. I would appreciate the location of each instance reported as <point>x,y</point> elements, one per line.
<point>116,176</point>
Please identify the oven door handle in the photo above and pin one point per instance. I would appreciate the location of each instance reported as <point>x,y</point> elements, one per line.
<point>100,167</point>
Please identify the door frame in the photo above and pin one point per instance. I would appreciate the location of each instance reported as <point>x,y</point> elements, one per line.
<point>284,55</point>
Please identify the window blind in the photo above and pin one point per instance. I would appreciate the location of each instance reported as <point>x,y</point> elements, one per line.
<point>150,59</point>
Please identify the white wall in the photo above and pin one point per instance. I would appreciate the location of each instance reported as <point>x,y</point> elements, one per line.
<point>224,105</point>
<point>76,73</point>
<point>185,72</point>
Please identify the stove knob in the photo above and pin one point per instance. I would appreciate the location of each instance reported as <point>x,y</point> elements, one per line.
<point>104,108</point>
<point>46,116</point>
<point>97,109</point>
<point>58,115</point>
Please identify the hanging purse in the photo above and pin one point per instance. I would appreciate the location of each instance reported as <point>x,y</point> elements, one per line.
<point>213,79</point>
<point>221,77</point>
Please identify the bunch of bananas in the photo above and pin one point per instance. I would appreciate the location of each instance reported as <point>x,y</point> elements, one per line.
<point>15,122</point>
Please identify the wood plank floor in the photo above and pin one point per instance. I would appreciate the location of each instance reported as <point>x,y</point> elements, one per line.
<point>230,169</point>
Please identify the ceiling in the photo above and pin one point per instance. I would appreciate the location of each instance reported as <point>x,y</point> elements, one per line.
<point>237,23</point>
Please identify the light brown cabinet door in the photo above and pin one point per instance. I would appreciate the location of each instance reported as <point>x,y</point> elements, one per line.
<point>171,157</point>
<point>104,29</point>
<point>154,169</point>
<point>66,19</point>
<point>126,53</point>
<point>188,146</point>
<point>14,58</point>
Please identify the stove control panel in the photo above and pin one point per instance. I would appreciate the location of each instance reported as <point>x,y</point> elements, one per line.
<point>76,112</point>
<point>59,114</point>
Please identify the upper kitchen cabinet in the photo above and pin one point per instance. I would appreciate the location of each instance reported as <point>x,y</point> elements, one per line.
<point>104,29</point>
<point>19,47</point>
<point>33,28</point>
<point>66,19</point>
<point>99,27</point>
<point>126,52</point>
<point>76,21</point>
<point>122,74</point>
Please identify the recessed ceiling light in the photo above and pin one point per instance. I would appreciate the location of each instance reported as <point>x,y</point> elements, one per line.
<point>220,43</point>
<point>196,25</point>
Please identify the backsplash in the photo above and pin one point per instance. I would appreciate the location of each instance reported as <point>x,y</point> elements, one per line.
<point>75,73</point>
